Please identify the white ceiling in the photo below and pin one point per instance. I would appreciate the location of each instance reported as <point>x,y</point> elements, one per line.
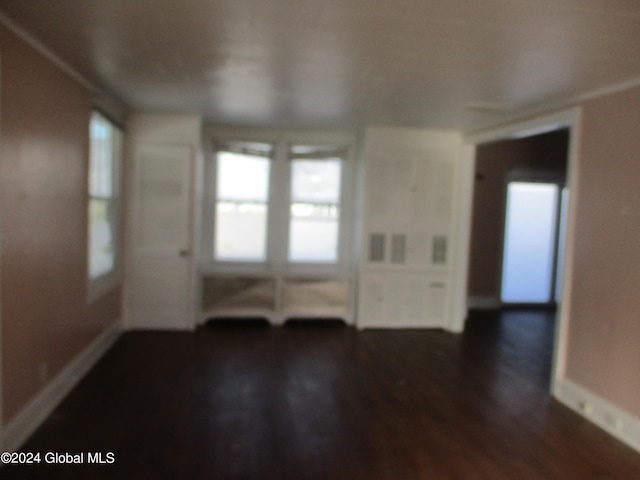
<point>340,63</point>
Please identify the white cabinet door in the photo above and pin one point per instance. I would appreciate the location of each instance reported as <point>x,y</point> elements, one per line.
<point>161,263</point>
<point>403,300</point>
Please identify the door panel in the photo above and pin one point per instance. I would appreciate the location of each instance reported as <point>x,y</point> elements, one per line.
<point>161,264</point>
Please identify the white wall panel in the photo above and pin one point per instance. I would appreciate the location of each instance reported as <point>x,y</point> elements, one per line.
<point>406,265</point>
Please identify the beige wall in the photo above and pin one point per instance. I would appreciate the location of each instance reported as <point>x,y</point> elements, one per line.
<point>541,153</point>
<point>604,332</point>
<point>46,320</point>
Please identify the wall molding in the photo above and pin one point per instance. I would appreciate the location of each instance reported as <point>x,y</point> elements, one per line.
<point>609,417</point>
<point>463,206</point>
<point>546,107</point>
<point>46,52</point>
<point>20,428</point>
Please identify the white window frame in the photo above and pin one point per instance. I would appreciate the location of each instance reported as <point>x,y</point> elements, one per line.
<point>341,151</point>
<point>278,206</point>
<point>212,210</point>
<point>101,285</point>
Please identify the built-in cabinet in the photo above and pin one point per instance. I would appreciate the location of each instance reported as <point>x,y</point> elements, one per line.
<point>406,260</point>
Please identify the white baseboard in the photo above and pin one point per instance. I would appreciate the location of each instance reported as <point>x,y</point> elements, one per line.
<point>615,421</point>
<point>483,302</point>
<point>278,318</point>
<point>18,430</point>
<point>402,325</point>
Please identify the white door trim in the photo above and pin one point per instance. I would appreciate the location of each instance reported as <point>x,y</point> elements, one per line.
<point>568,118</point>
<point>463,206</point>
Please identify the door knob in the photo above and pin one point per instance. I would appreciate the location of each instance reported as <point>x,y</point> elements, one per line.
<point>184,252</point>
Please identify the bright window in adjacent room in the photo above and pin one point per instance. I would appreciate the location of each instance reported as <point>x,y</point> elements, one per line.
<point>314,211</point>
<point>242,202</point>
<point>530,241</point>
<point>104,204</point>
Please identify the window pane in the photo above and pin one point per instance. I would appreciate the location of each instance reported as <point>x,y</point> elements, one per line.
<point>242,177</point>
<point>241,207</point>
<point>313,233</point>
<point>241,229</point>
<point>315,211</point>
<point>101,157</point>
<point>316,181</point>
<point>101,239</point>
<point>529,242</point>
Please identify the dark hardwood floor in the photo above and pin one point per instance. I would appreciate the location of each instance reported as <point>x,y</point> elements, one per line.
<point>329,403</point>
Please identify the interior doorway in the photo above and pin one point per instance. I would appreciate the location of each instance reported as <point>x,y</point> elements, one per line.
<point>567,121</point>
<point>515,220</point>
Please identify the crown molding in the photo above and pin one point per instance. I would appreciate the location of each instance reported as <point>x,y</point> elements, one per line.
<point>45,51</point>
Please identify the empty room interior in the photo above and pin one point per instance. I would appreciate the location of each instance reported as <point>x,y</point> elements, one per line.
<point>332,239</point>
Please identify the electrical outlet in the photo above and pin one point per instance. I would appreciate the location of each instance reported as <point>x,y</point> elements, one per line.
<point>613,421</point>
<point>586,408</point>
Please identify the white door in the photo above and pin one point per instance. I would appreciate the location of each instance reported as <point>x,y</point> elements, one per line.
<point>161,260</point>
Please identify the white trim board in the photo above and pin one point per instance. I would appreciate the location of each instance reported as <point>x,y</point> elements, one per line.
<point>542,123</point>
<point>463,206</point>
<point>278,318</point>
<point>47,53</point>
<point>19,429</point>
<point>612,419</point>
<point>544,107</point>
<point>409,325</point>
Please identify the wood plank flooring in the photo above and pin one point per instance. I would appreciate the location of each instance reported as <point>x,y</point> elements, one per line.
<point>329,403</point>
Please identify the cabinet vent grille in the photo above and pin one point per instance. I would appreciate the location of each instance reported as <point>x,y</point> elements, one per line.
<point>439,250</point>
<point>398,248</point>
<point>376,247</point>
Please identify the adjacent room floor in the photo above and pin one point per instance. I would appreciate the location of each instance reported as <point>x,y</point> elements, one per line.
<point>331,403</point>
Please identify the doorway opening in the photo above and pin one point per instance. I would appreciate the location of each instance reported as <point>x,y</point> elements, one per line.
<point>482,274</point>
<point>516,220</point>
